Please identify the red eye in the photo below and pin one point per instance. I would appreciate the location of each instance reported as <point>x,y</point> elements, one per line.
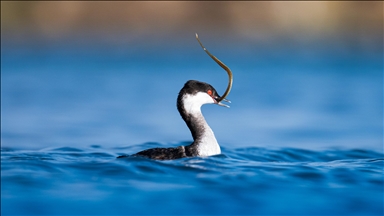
<point>209,92</point>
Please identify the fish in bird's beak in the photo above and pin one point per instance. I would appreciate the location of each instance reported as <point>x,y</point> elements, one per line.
<point>217,98</point>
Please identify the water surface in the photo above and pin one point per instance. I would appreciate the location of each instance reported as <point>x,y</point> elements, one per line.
<point>252,181</point>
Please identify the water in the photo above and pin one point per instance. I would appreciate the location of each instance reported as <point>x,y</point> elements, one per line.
<point>303,135</point>
<point>252,181</point>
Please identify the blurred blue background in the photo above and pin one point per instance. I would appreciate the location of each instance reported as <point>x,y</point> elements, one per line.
<point>85,82</point>
<point>306,74</point>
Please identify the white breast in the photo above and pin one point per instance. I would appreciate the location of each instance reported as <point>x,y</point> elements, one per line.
<point>209,145</point>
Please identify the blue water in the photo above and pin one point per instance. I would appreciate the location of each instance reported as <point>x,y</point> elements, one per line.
<point>252,181</point>
<point>303,136</point>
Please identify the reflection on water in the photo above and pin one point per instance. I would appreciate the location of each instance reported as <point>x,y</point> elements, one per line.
<point>239,181</point>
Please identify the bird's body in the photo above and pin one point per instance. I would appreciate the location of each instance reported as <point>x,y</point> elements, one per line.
<point>192,96</point>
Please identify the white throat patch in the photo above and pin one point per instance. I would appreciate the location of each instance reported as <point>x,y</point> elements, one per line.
<point>193,103</point>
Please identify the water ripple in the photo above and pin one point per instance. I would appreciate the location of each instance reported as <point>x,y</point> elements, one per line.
<point>244,180</point>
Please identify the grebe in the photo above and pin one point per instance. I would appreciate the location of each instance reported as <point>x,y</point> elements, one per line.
<point>191,97</point>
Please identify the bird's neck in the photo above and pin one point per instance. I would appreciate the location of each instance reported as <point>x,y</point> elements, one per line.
<point>205,141</point>
<point>204,138</point>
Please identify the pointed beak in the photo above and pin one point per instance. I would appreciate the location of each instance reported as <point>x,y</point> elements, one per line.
<point>221,104</point>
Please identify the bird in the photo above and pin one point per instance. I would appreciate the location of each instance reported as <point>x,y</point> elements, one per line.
<point>191,97</point>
